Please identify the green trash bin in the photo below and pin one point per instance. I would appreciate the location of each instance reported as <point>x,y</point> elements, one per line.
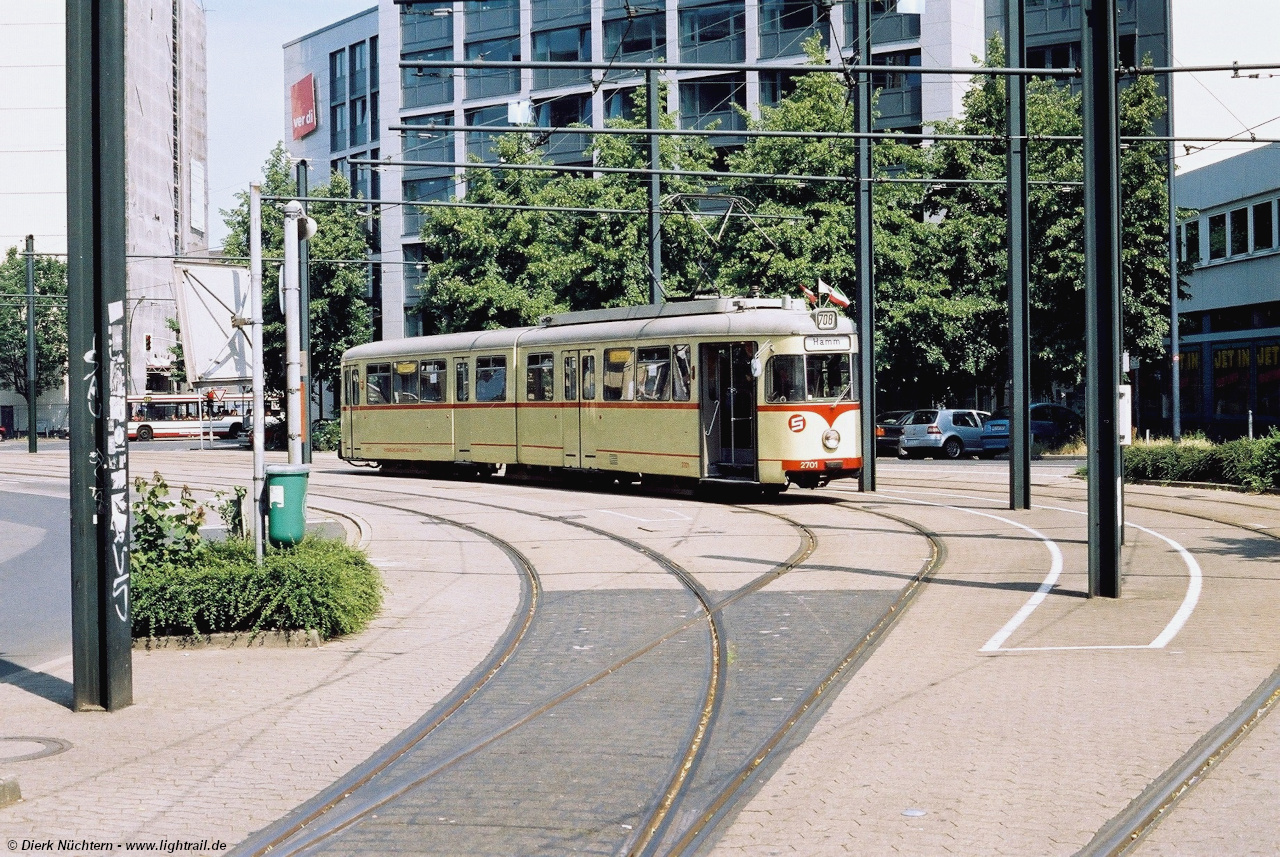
<point>287,503</point>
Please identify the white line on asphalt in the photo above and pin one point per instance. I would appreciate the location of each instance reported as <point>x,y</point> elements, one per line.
<point>678,516</point>
<point>1180,617</point>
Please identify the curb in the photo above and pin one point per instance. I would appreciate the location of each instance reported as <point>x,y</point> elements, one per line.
<point>9,791</point>
<point>242,639</point>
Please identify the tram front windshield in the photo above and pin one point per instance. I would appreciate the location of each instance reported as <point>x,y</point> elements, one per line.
<point>811,378</point>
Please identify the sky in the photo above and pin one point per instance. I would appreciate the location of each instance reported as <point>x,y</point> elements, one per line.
<point>245,46</point>
<point>246,79</point>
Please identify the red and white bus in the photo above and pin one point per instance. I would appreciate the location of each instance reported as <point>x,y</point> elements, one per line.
<point>210,413</point>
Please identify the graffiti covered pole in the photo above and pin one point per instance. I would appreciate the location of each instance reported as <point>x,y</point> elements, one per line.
<point>31,343</point>
<point>101,633</point>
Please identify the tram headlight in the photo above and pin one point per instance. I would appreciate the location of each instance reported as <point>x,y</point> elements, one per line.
<point>831,439</point>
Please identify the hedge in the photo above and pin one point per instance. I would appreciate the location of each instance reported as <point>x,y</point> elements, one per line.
<point>1253,464</point>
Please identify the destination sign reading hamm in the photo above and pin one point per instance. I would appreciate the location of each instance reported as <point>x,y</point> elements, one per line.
<point>302,97</point>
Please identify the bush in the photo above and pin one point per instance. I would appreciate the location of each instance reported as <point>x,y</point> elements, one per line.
<point>1254,464</point>
<point>320,584</point>
<point>325,435</point>
<point>183,584</point>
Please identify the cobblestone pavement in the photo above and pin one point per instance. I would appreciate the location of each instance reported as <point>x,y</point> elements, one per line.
<point>935,746</point>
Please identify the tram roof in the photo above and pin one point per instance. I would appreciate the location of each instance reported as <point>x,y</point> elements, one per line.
<point>697,318</point>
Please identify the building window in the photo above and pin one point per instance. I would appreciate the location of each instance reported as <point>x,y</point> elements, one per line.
<point>894,80</point>
<point>1239,231</point>
<point>1066,55</point>
<point>779,15</point>
<point>620,104</point>
<point>481,84</point>
<point>1231,380</point>
<point>359,54</point>
<point>337,127</point>
<point>1268,367</point>
<point>480,143</point>
<point>643,35</point>
<point>1190,386</point>
<point>427,86</point>
<point>1217,236</point>
<point>486,15</point>
<point>373,63</point>
<point>713,33</point>
<point>1263,226</point>
<point>1191,241</point>
<point>707,100</point>
<point>571,44</point>
<point>338,76</point>
<point>359,121</point>
<point>777,85</point>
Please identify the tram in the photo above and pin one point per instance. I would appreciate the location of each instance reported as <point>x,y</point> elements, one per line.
<point>727,390</point>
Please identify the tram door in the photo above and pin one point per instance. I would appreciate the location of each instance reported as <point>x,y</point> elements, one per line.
<point>350,398</point>
<point>728,410</point>
<point>579,422</point>
<point>462,413</point>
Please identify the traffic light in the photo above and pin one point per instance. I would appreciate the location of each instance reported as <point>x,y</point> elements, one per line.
<point>148,342</point>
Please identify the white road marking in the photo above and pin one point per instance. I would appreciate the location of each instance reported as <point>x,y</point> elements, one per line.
<point>678,516</point>
<point>1180,617</point>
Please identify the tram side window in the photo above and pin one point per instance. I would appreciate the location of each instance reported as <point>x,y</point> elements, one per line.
<point>377,384</point>
<point>404,383</point>
<point>785,379</point>
<point>655,373</point>
<point>588,377</point>
<point>462,381</point>
<point>619,375</point>
<point>540,379</point>
<point>570,378</point>
<point>682,378</point>
<point>431,380</point>
<point>491,379</point>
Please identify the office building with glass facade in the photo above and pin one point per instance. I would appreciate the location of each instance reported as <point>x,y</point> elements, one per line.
<point>769,33</point>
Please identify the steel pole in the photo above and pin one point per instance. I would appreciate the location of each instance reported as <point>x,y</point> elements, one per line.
<point>1019,267</point>
<point>1102,294</point>
<point>31,344</point>
<point>101,632</point>
<point>862,226</point>
<point>655,190</point>
<point>255,349</point>
<point>304,331</point>
<point>293,391</point>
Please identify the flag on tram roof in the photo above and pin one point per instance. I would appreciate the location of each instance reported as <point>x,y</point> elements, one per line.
<point>833,294</point>
<point>808,293</point>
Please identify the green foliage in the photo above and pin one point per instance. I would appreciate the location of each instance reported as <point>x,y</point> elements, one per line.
<point>51,322</point>
<point>178,370</point>
<point>326,436</point>
<point>319,584</point>
<point>340,314</point>
<point>164,531</point>
<point>182,584</point>
<point>1254,464</point>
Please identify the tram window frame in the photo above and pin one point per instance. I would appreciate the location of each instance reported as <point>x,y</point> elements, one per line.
<point>653,373</point>
<point>404,382</point>
<point>780,366</point>
<point>682,373</point>
<point>624,367</point>
<point>588,377</point>
<point>491,372</point>
<point>571,377</point>
<point>814,373</point>
<point>462,381</point>
<point>433,369</point>
<point>540,377</point>
<point>372,372</point>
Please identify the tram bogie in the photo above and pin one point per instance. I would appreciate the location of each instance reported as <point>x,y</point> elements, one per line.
<point>725,391</point>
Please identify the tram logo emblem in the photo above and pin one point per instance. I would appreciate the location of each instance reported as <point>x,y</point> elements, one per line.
<point>796,423</point>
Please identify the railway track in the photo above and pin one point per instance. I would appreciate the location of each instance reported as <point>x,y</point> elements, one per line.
<point>685,816</point>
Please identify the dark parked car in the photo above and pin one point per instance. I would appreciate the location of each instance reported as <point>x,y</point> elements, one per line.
<point>888,430</point>
<point>944,432</point>
<point>1051,425</point>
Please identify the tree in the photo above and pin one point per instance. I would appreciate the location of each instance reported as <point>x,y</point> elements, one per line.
<point>340,314</point>
<point>502,268</point>
<point>51,322</point>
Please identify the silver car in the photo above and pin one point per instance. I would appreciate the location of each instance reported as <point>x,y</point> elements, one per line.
<point>949,432</point>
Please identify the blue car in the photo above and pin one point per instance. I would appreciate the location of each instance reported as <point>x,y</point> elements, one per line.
<point>1051,425</point>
